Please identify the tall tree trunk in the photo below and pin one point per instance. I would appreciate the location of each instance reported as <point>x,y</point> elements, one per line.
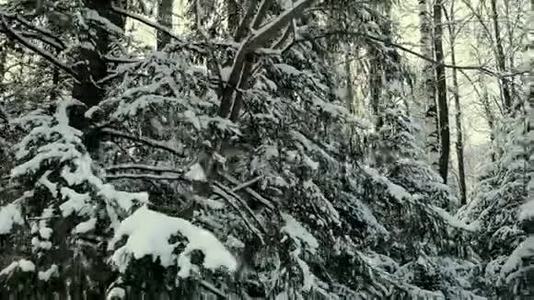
<point>165,11</point>
<point>375,84</point>
<point>348,73</point>
<point>500,58</point>
<point>459,130</point>
<point>427,86</point>
<point>94,69</point>
<point>441,88</point>
<point>458,118</point>
<point>3,60</point>
<point>511,56</point>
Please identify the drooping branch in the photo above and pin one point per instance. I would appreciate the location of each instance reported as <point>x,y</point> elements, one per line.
<point>50,35</point>
<point>150,168</point>
<point>44,39</point>
<point>142,140</point>
<point>14,35</point>
<point>145,21</point>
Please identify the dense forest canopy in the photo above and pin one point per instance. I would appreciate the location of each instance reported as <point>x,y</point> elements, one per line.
<point>267,149</point>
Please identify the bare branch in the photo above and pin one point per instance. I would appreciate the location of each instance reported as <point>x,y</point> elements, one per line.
<point>250,191</point>
<point>145,177</point>
<point>229,199</point>
<point>145,21</point>
<point>143,140</point>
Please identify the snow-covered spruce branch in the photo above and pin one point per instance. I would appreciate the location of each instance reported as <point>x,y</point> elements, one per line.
<point>14,35</point>
<point>142,140</point>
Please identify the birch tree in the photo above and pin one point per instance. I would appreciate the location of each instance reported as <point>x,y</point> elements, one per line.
<point>428,86</point>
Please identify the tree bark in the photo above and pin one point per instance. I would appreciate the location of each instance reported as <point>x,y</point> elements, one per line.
<point>458,118</point>
<point>427,86</point>
<point>375,85</point>
<point>165,11</point>
<point>500,58</point>
<point>459,131</point>
<point>3,60</point>
<point>348,73</point>
<point>459,134</point>
<point>94,69</point>
<point>441,88</point>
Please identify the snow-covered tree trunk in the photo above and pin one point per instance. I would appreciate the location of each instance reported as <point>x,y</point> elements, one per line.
<point>427,85</point>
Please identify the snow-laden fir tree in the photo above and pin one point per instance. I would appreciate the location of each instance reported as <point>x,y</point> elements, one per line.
<point>226,163</point>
